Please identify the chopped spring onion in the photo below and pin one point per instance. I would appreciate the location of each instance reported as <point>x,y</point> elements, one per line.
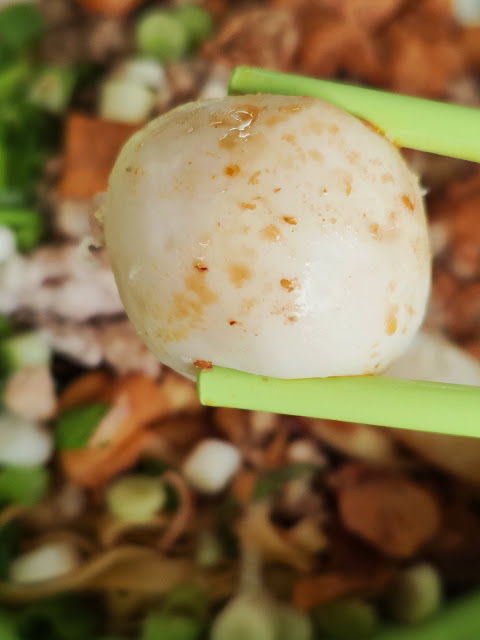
<point>52,89</point>
<point>8,547</point>
<point>23,485</point>
<point>209,551</point>
<point>63,617</point>
<point>197,22</point>
<point>271,481</point>
<point>416,594</point>
<point>74,427</point>
<point>27,225</point>
<point>187,600</point>
<point>124,101</point>
<point>143,71</point>
<point>211,465</point>
<point>6,327</point>
<point>22,442</point>
<point>458,620</point>
<point>161,36</point>
<point>8,627</point>
<point>246,616</point>
<point>293,625</point>
<point>158,625</point>
<point>44,563</point>
<point>136,498</point>
<point>8,244</point>
<point>345,619</point>
<point>24,350</point>
<point>13,76</point>
<point>467,12</point>
<point>21,26</point>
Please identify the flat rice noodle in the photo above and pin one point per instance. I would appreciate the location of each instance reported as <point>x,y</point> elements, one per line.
<point>184,516</point>
<point>256,532</point>
<point>112,530</point>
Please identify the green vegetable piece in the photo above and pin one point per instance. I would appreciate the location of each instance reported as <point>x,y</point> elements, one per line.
<point>345,620</point>
<point>187,600</point>
<point>161,36</point>
<point>24,350</point>
<point>162,626</point>
<point>8,627</point>
<point>21,26</point>
<point>151,467</point>
<point>6,327</point>
<point>293,625</point>
<point>136,498</point>
<point>74,427</point>
<point>8,548</point>
<point>52,89</point>
<point>27,225</point>
<point>62,617</point>
<point>197,22</point>
<point>13,77</point>
<point>460,620</point>
<point>23,485</point>
<point>272,481</point>
<point>415,595</point>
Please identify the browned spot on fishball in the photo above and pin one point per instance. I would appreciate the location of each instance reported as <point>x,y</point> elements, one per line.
<point>316,155</point>
<point>200,266</point>
<point>206,365</point>
<point>292,319</point>
<point>290,138</point>
<point>392,217</point>
<point>333,128</point>
<point>245,229</point>
<point>290,108</point>
<point>316,127</point>
<point>254,178</point>
<point>387,177</point>
<point>373,228</point>
<point>376,162</point>
<point>391,322</point>
<point>289,285</point>
<point>188,307</point>
<point>232,323</point>
<point>410,309</point>
<point>247,305</point>
<point>277,189</point>
<point>407,202</point>
<point>276,118</point>
<point>248,205</point>
<point>353,157</point>
<point>374,355</point>
<point>213,177</point>
<point>333,220</point>
<point>271,233</point>
<point>239,274</point>
<point>232,170</point>
<point>290,220</point>
<point>392,286</point>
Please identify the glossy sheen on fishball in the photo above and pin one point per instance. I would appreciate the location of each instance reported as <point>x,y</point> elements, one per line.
<point>276,235</point>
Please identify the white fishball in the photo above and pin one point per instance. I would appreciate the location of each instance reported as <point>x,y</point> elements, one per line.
<point>275,235</point>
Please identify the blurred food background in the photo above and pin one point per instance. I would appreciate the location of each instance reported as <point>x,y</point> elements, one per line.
<point>127,510</point>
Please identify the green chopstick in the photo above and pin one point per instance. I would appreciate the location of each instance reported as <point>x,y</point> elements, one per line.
<point>404,404</point>
<point>415,123</point>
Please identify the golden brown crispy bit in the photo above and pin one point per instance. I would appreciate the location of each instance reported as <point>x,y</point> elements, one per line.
<point>394,514</point>
<point>256,36</point>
